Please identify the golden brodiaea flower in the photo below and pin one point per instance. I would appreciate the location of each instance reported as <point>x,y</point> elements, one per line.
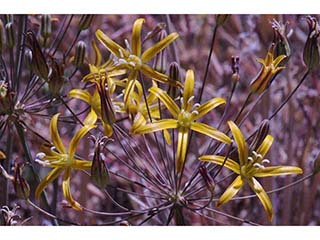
<point>184,118</point>
<point>62,160</point>
<point>132,59</point>
<point>250,166</point>
<point>270,67</point>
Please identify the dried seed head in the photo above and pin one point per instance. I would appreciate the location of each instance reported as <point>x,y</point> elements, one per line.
<point>160,61</point>
<point>21,186</point>
<point>261,134</point>
<point>311,48</point>
<point>235,68</point>
<point>207,179</point>
<point>46,28</point>
<point>10,35</point>
<point>221,19</point>
<point>85,21</point>
<point>80,54</point>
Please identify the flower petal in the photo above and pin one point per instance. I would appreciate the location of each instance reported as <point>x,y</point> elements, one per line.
<point>80,94</point>
<point>52,175</point>
<point>166,100</point>
<point>241,143</point>
<point>82,164</point>
<point>67,192</point>
<point>188,91</point>
<point>136,37</point>
<point>265,145</point>
<point>55,137</point>
<point>278,60</point>
<point>151,73</point>
<point>183,136</point>
<point>98,59</point>
<point>112,46</point>
<point>210,131</point>
<point>278,170</point>
<point>231,191</point>
<point>76,139</point>
<point>152,51</point>
<point>156,126</point>
<point>229,163</point>
<point>262,195</point>
<point>91,118</point>
<point>208,106</point>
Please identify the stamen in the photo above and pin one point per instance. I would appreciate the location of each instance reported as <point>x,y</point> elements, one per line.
<point>119,96</point>
<point>40,155</point>
<point>181,101</point>
<point>190,99</point>
<point>255,154</point>
<point>265,161</point>
<point>250,159</point>
<point>195,112</point>
<point>127,45</point>
<point>258,165</point>
<point>53,148</point>
<point>132,64</point>
<point>259,156</point>
<point>122,61</point>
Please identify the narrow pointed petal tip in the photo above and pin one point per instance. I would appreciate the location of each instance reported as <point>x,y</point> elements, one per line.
<point>231,191</point>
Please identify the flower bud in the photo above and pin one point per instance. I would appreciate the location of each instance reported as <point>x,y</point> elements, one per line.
<point>235,68</point>
<point>56,77</point>
<point>160,61</point>
<point>80,54</point>
<point>10,35</point>
<point>85,21</point>
<point>174,76</point>
<point>207,179</point>
<point>311,49</point>
<point>221,19</point>
<point>99,171</point>
<point>46,27</point>
<point>21,186</point>
<point>282,46</point>
<point>154,31</point>
<point>261,134</point>
<point>28,58</point>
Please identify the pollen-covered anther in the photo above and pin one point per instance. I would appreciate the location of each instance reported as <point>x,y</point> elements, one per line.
<point>195,112</point>
<point>250,159</point>
<point>121,53</point>
<point>40,155</point>
<point>127,45</point>
<point>132,64</point>
<point>258,165</point>
<point>265,161</point>
<point>190,99</point>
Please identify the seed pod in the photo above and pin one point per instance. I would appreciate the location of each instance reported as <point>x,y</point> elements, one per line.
<point>85,21</point>
<point>56,77</point>
<point>80,54</point>
<point>263,131</point>
<point>280,39</point>
<point>221,19</point>
<point>174,76</point>
<point>99,171</point>
<point>39,63</point>
<point>311,49</point>
<point>235,68</point>
<point>207,179</point>
<point>46,27</point>
<point>160,61</point>
<point>21,186</point>
<point>1,36</point>
<point>10,35</point>
<point>316,164</point>
<point>155,31</point>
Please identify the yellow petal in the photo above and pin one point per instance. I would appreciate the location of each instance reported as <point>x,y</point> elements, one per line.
<point>91,118</point>
<point>112,46</point>
<point>108,131</point>
<point>262,195</point>
<point>278,60</point>
<point>210,131</point>
<point>152,51</point>
<point>183,136</point>
<point>76,139</point>
<point>136,37</point>
<point>98,55</point>
<point>166,100</point>
<point>231,191</point>
<point>129,88</point>
<point>188,91</point>
<point>151,73</point>
<point>167,136</point>
<point>80,94</point>
<point>229,163</point>
<point>265,145</point>
<point>82,164</point>
<point>55,137</point>
<point>156,126</point>
<point>67,192</point>
<point>278,170</point>
<point>52,175</point>
<point>208,106</point>
<point>241,143</point>
<point>139,121</point>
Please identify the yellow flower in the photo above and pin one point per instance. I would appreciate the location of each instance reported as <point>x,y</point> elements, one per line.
<point>184,118</point>
<point>251,166</point>
<point>132,59</point>
<point>268,70</point>
<point>62,161</point>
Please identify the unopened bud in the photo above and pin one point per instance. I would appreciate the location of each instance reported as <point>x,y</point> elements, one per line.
<point>207,179</point>
<point>174,76</point>
<point>155,31</point>
<point>311,49</point>
<point>160,62</point>
<point>46,27</point>
<point>221,19</point>
<point>80,54</point>
<point>235,68</point>
<point>85,21</point>
<point>263,131</point>
<point>10,35</point>
<point>99,171</point>
<point>28,59</point>
<point>21,186</point>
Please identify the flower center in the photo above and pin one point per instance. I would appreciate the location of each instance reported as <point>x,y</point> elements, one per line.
<point>184,119</point>
<point>134,61</point>
<point>255,164</point>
